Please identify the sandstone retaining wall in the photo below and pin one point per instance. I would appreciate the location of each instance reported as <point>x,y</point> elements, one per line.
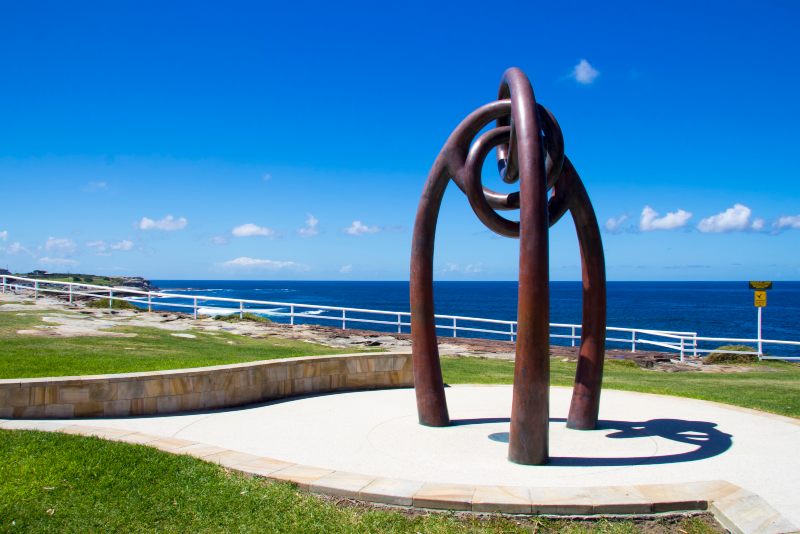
<point>202,388</point>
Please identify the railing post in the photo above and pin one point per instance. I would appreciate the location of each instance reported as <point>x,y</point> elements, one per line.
<point>683,343</point>
<point>70,293</point>
<point>35,289</point>
<point>572,336</point>
<point>241,310</point>
<point>694,345</point>
<point>760,346</point>
<point>194,307</point>
<point>4,284</point>
<point>110,299</point>
<point>149,302</point>
<point>291,315</point>
<point>511,331</point>
<point>455,328</point>
<point>399,324</point>
<point>344,319</point>
<point>633,341</point>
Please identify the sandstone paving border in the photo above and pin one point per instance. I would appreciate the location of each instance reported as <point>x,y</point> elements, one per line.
<point>201,388</point>
<point>737,509</point>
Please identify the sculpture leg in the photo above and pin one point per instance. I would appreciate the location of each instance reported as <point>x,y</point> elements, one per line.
<point>530,409</point>
<point>428,383</point>
<point>585,405</point>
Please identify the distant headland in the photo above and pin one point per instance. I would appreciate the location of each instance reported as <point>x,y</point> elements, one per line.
<point>135,282</point>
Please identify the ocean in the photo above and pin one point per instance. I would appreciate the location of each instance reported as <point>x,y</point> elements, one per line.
<point>712,309</point>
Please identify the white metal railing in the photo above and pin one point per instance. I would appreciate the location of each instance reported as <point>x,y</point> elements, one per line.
<point>681,342</point>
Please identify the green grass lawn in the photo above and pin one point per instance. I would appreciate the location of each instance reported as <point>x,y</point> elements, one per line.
<point>769,386</point>
<point>152,349</point>
<point>62,483</point>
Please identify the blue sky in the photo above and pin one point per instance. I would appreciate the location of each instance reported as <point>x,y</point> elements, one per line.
<point>200,140</point>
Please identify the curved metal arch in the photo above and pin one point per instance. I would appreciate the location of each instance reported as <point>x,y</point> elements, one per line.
<point>530,149</point>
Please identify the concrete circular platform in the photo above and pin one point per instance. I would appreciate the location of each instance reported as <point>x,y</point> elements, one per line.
<point>642,440</point>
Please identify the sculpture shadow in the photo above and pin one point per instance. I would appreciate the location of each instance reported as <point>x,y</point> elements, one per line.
<point>709,440</point>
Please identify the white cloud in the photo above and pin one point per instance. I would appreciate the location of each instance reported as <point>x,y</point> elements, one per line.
<point>250,230</point>
<point>243,262</point>
<point>651,221</point>
<point>584,73</point>
<point>310,229</point>
<point>16,247</point>
<point>359,228</point>
<point>219,240</point>
<point>60,245</point>
<point>3,235</point>
<point>614,224</point>
<point>472,268</point>
<point>787,221</point>
<point>101,247</point>
<point>346,269</point>
<point>125,244</point>
<point>57,262</point>
<point>732,219</point>
<point>168,223</point>
<point>758,224</point>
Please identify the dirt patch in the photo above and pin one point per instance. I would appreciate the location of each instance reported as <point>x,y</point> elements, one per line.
<point>73,326</point>
<point>27,307</point>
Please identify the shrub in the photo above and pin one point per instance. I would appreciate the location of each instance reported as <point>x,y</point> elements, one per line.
<point>246,316</point>
<point>115,304</point>
<point>722,355</point>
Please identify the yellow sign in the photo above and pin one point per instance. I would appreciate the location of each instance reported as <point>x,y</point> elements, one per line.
<point>759,299</point>
<point>760,285</point>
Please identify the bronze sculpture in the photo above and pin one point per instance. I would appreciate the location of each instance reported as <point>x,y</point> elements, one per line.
<point>530,149</point>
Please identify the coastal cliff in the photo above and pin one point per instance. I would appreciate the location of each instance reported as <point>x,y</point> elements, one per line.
<point>132,282</point>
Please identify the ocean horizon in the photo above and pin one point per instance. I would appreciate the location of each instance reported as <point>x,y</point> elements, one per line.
<point>712,309</point>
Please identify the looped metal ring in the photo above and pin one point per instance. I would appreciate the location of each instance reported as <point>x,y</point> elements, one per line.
<point>553,145</point>
<point>473,185</point>
<point>485,201</point>
<point>553,139</point>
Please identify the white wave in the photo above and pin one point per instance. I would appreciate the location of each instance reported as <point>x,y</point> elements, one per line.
<point>311,312</point>
<point>208,310</point>
<point>272,290</point>
<point>193,289</point>
<point>272,311</point>
<point>216,311</point>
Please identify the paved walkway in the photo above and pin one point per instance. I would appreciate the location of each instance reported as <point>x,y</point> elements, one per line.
<point>643,439</point>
